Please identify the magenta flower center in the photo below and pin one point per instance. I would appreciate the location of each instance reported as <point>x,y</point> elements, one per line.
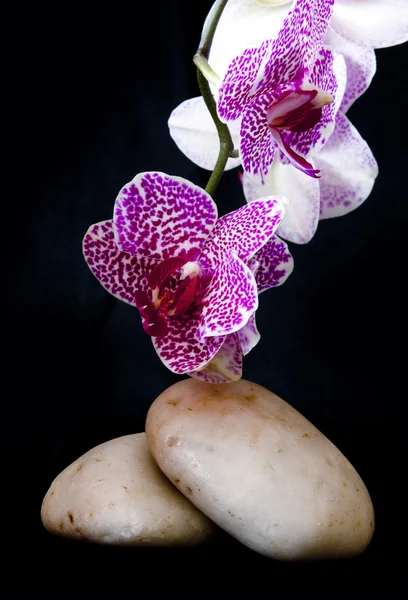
<point>172,291</point>
<point>296,111</point>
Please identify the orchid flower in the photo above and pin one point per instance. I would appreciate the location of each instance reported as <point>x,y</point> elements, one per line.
<point>346,164</point>
<point>286,91</point>
<point>194,278</point>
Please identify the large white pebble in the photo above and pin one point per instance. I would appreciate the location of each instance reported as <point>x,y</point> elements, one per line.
<point>116,494</point>
<point>260,470</point>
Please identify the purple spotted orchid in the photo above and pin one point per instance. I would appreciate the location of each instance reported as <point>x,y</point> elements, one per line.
<point>285,91</point>
<point>346,164</point>
<point>194,278</point>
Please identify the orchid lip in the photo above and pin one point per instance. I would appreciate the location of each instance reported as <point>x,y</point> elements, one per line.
<point>173,287</point>
<point>295,159</point>
<point>298,110</point>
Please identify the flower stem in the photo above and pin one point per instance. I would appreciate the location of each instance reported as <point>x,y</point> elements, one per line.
<point>205,73</point>
<point>210,25</point>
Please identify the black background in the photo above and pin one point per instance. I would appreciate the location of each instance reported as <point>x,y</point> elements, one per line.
<point>90,92</point>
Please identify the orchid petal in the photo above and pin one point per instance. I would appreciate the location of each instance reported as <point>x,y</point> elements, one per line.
<point>161,216</point>
<point>244,231</point>
<point>302,207</point>
<point>299,40</point>
<point>360,66</point>
<point>272,2</point>
<point>275,264</point>
<point>243,24</point>
<point>257,148</point>
<point>248,336</point>
<point>195,134</point>
<point>372,23</point>
<point>348,170</point>
<point>230,300</point>
<point>226,366</point>
<point>236,87</point>
<point>180,350</point>
<point>120,273</point>
<point>329,74</point>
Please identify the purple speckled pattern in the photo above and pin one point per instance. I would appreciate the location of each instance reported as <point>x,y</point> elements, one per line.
<point>343,190</point>
<point>275,264</point>
<point>261,77</point>
<point>160,216</point>
<point>226,366</point>
<point>237,86</point>
<point>187,307</point>
<point>236,238</point>
<point>120,273</point>
<point>294,49</point>
<point>230,300</point>
<point>257,146</point>
<point>244,230</point>
<point>180,350</point>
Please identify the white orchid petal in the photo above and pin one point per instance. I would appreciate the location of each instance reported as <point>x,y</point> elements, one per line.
<point>302,209</point>
<point>373,23</point>
<point>195,134</point>
<point>348,170</point>
<point>272,2</point>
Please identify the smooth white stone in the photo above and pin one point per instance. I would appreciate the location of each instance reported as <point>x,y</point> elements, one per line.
<point>260,470</point>
<point>116,494</point>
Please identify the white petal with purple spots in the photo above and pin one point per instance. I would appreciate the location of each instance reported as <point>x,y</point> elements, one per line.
<point>275,264</point>
<point>180,350</point>
<point>348,170</point>
<point>120,273</point>
<point>230,299</point>
<point>226,366</point>
<point>236,87</point>
<point>244,231</point>
<point>257,146</point>
<point>162,216</point>
<point>299,40</point>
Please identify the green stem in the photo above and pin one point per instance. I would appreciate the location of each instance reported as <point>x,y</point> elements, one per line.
<point>205,74</point>
<point>209,28</point>
<point>226,144</point>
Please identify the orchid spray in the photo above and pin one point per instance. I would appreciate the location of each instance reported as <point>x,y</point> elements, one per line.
<point>277,107</point>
